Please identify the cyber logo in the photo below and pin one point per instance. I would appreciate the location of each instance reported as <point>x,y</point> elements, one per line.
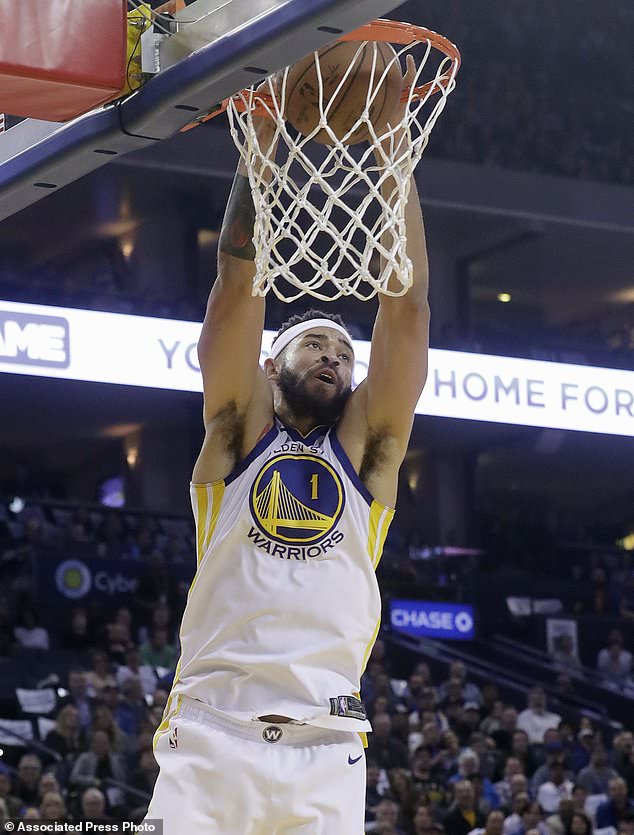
<point>73,579</point>
<point>296,498</point>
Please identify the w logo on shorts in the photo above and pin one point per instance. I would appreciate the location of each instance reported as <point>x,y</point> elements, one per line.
<point>272,734</point>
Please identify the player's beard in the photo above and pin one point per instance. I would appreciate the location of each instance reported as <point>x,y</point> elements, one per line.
<point>306,405</point>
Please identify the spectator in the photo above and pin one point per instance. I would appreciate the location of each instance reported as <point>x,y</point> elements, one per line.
<point>469,692</point>
<point>559,823</point>
<point>372,793</point>
<point>103,720</point>
<point>48,783</point>
<point>622,746</point>
<point>579,798</point>
<point>582,751</point>
<point>386,818</point>
<point>423,822</point>
<point>134,669</point>
<point>144,776</point>
<point>78,695</point>
<point>427,704</point>
<point>4,812</point>
<point>93,767</point>
<point>53,807</point>
<point>519,785</point>
<point>158,653</point>
<point>386,751</point>
<point>531,821</point>
<point>557,787</point>
<point>596,776</point>
<point>406,793</point>
<point>494,824</point>
<point>490,697</point>
<point>78,635</point>
<point>493,721</point>
<point>519,803</point>
<point>468,765</point>
<point>463,815</point>
<point>616,807</point>
<point>520,748</point>
<point>132,708</point>
<point>580,824</point>
<point>117,641</point>
<point>110,696</point>
<point>28,634</point>
<point>12,802</point>
<point>553,751</point>
<point>430,781</point>
<point>536,719</point>
<point>29,773</point>
<point>614,662</point>
<point>92,805</point>
<point>469,721</point>
<point>627,772</point>
<point>100,675</point>
<point>447,758</point>
<point>503,737</point>
<point>162,619</point>
<point>66,736</point>
<point>502,788</point>
<point>489,760</point>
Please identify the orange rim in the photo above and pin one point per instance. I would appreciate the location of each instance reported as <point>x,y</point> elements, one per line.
<point>390,31</point>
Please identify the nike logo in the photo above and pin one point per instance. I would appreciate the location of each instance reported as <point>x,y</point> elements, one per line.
<point>355,760</point>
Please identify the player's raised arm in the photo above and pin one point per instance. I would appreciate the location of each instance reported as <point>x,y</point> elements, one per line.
<point>229,345</point>
<point>398,360</point>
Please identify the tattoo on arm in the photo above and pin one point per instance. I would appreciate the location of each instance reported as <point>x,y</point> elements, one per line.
<point>236,237</point>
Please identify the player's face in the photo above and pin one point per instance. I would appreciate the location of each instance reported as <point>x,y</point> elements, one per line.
<point>315,376</point>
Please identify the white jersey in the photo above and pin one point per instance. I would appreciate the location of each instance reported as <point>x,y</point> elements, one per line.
<point>285,607</point>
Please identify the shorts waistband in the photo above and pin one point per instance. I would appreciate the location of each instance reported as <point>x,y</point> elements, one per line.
<point>288,733</point>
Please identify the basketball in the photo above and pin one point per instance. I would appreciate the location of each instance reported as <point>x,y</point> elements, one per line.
<point>345,107</point>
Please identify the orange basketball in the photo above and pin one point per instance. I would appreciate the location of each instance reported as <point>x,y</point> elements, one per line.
<point>346,106</point>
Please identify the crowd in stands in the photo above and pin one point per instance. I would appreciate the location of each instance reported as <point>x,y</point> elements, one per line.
<point>447,755</point>
<point>532,91</point>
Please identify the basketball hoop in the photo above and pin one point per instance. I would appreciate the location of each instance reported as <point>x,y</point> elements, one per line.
<point>330,221</point>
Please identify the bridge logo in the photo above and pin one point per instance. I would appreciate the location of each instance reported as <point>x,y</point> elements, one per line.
<point>297,498</point>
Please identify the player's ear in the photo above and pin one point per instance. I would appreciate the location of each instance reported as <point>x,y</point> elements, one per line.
<point>270,369</point>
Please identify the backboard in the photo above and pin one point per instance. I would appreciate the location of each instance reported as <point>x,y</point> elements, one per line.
<point>219,47</point>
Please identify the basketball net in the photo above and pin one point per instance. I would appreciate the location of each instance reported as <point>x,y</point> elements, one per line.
<point>330,221</point>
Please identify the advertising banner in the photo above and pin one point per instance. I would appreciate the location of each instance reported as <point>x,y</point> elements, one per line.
<point>161,353</point>
<point>423,619</point>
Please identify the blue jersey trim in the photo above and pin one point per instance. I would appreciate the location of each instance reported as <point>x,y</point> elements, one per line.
<point>349,469</point>
<point>316,434</point>
<point>259,448</point>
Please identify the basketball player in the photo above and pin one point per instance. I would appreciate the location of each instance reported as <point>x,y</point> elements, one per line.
<point>292,494</point>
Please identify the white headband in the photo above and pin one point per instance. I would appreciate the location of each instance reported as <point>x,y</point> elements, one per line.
<point>295,330</point>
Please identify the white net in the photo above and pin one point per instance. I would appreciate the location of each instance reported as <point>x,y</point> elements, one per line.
<point>330,221</point>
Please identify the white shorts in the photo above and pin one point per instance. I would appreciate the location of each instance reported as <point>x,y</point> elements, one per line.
<point>221,776</point>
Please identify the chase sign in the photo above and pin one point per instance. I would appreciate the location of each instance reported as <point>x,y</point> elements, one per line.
<point>422,619</point>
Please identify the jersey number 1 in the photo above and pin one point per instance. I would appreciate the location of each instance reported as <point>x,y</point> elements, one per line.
<point>314,483</point>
